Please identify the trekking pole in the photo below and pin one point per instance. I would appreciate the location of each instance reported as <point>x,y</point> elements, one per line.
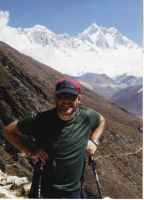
<point>36,187</point>
<point>92,161</point>
<point>1,127</point>
<point>82,181</point>
<point>40,166</point>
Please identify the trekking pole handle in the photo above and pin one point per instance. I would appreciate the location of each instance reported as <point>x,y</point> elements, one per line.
<point>90,160</point>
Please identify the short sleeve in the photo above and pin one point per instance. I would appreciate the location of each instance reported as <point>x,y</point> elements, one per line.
<point>94,119</point>
<point>27,126</point>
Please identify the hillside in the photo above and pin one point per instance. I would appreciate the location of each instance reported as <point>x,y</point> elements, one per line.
<point>28,86</point>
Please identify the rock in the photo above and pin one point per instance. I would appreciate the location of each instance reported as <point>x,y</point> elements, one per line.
<point>13,186</point>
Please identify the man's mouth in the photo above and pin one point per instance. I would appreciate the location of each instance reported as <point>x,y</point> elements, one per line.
<point>66,110</point>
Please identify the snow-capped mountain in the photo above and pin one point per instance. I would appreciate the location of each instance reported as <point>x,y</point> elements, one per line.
<point>107,38</point>
<point>39,35</point>
<point>93,38</point>
<point>96,49</point>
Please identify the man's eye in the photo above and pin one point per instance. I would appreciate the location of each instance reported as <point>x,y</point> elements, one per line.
<point>66,97</point>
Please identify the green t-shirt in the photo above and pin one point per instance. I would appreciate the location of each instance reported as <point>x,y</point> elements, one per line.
<point>65,143</point>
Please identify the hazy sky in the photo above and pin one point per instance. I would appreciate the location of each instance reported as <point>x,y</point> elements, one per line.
<point>73,16</point>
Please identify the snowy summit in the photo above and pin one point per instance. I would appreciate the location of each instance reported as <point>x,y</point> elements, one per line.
<point>96,49</point>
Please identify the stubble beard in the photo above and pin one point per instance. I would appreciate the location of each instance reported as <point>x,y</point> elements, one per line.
<point>66,113</point>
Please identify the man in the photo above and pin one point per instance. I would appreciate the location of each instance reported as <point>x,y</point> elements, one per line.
<point>62,136</point>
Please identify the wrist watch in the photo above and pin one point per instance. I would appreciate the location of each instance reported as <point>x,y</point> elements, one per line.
<point>95,142</point>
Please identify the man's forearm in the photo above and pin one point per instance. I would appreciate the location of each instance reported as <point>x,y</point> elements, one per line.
<point>12,134</point>
<point>98,131</point>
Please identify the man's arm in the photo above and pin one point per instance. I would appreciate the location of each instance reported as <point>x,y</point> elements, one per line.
<point>13,135</point>
<point>96,134</point>
<point>94,137</point>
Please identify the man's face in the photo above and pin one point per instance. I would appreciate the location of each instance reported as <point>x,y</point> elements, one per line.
<point>66,105</point>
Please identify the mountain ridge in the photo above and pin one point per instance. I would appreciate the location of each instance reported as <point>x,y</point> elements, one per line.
<point>96,49</point>
<point>125,90</point>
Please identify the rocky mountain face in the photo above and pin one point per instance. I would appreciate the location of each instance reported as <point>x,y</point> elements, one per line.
<point>125,80</point>
<point>100,83</point>
<point>28,86</point>
<point>125,90</point>
<point>130,94</point>
<point>130,98</point>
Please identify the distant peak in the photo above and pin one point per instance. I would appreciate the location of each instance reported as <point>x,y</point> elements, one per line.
<point>92,28</point>
<point>40,27</point>
<point>113,30</point>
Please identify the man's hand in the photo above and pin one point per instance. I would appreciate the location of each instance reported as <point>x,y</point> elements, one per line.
<point>90,149</point>
<point>37,155</point>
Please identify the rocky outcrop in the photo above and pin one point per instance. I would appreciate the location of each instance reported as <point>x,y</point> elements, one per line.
<point>13,186</point>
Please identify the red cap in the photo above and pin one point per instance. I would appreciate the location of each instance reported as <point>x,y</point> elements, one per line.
<point>68,86</point>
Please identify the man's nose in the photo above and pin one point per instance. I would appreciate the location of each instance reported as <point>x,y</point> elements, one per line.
<point>66,101</point>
